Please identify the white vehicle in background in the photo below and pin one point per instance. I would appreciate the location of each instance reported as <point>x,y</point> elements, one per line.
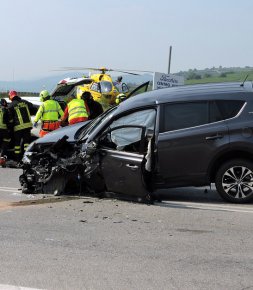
<point>36,103</point>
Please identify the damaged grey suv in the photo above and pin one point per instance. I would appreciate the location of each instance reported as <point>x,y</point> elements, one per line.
<point>181,136</point>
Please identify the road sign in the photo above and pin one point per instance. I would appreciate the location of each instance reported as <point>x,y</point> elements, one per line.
<point>162,80</point>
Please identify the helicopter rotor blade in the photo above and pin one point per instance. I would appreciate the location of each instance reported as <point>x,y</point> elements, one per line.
<point>103,69</point>
<point>130,73</point>
<point>78,68</point>
<point>135,70</point>
<point>125,72</point>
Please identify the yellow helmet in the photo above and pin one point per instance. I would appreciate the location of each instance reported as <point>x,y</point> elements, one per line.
<point>120,98</point>
<point>44,95</point>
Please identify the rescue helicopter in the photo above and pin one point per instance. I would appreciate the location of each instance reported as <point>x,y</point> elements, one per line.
<point>100,85</point>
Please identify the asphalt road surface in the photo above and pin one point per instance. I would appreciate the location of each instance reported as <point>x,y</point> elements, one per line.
<point>192,240</point>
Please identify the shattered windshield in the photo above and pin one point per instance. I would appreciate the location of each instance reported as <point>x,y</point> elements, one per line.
<point>105,86</point>
<point>95,123</point>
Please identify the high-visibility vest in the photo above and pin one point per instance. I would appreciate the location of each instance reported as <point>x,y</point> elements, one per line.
<point>50,110</point>
<point>2,121</point>
<point>77,109</point>
<point>22,117</point>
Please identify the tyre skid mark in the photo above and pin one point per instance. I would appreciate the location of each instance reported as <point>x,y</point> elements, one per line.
<point>6,205</point>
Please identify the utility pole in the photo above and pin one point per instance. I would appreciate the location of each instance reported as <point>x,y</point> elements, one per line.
<point>13,77</point>
<point>169,59</point>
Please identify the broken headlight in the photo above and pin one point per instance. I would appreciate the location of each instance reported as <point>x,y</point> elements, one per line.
<point>27,158</point>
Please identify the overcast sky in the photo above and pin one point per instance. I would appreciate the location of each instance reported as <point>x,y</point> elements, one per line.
<point>38,36</point>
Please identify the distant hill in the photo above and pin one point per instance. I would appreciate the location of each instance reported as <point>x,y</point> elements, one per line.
<point>217,74</point>
<point>33,85</point>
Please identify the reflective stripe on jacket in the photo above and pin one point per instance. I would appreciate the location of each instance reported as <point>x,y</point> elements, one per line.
<point>50,110</point>
<point>2,119</point>
<point>77,109</point>
<point>22,118</point>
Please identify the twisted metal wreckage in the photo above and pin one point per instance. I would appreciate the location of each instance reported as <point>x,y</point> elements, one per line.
<point>60,168</point>
<point>118,159</point>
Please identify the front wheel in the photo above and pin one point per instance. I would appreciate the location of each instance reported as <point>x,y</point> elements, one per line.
<point>234,181</point>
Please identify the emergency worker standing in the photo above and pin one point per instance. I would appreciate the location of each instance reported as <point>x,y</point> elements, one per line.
<point>20,114</point>
<point>4,131</point>
<point>76,111</point>
<point>95,108</point>
<point>49,113</point>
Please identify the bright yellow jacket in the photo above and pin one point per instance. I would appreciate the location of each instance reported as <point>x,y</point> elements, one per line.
<point>77,110</point>
<point>50,110</point>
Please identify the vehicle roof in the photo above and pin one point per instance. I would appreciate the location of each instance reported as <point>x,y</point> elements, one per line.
<point>65,86</point>
<point>186,92</point>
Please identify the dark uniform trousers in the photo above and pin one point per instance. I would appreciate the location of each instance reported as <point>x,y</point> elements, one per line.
<point>4,142</point>
<point>21,142</point>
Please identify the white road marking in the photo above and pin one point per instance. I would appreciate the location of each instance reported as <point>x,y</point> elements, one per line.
<point>12,287</point>
<point>207,206</point>
<point>8,188</point>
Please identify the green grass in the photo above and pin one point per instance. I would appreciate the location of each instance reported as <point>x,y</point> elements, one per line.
<point>230,77</point>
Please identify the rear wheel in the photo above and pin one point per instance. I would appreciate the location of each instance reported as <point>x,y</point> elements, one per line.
<point>234,181</point>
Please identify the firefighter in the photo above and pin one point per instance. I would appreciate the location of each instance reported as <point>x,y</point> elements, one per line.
<point>95,108</point>
<point>49,113</point>
<point>4,131</point>
<point>76,111</point>
<point>20,114</point>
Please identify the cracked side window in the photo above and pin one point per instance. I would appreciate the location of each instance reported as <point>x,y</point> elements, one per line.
<point>128,139</point>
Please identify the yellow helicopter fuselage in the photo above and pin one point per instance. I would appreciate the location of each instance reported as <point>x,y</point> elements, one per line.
<point>102,89</point>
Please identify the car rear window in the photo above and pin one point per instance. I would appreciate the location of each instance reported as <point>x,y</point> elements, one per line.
<point>191,114</point>
<point>185,115</point>
<point>229,108</point>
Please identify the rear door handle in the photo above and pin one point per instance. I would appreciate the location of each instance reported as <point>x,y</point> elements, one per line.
<point>214,137</point>
<point>132,166</point>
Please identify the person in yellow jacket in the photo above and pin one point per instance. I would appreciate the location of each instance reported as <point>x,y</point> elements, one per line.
<point>49,113</point>
<point>76,111</point>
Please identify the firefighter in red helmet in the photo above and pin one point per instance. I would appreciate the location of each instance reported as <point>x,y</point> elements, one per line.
<point>20,114</point>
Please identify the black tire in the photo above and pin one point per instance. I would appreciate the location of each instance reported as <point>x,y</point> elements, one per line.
<point>234,181</point>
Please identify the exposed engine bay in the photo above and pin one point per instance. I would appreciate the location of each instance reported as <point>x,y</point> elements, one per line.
<point>59,168</point>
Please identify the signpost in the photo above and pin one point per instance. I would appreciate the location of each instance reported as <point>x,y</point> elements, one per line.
<point>161,80</point>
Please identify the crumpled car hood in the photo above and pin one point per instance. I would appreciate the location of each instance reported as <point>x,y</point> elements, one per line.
<point>70,131</point>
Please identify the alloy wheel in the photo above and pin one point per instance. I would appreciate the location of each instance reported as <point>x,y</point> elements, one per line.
<point>237,182</point>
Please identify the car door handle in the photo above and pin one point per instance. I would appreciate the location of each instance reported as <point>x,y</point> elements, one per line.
<point>132,166</point>
<point>214,137</point>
